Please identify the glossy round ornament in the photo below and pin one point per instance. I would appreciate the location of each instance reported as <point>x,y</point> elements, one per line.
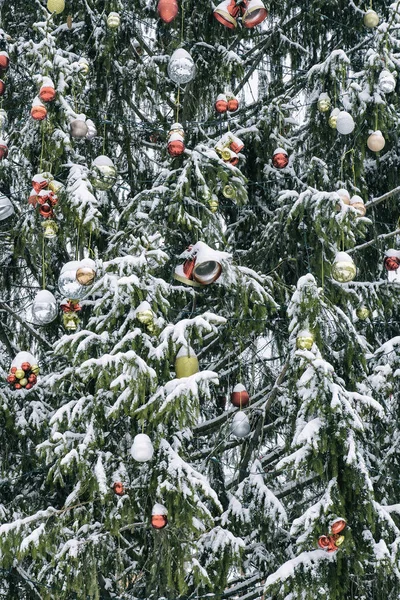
<point>68,284</point>
<point>332,121</point>
<point>343,268</point>
<point>376,141</point>
<point>371,19</point>
<point>280,158</point>
<point>3,150</point>
<point>233,104</point>
<point>213,204</point>
<point>392,259</point>
<point>113,20</point>
<point>176,145</point>
<point>118,488</point>
<point>145,315</point>
<point>142,449</point>
<point>38,110</point>
<point>387,82</point>
<point>159,516</point>
<point>181,68</point>
<point>103,173</point>
<point>240,426</point>
<point>86,272</point>
<point>47,92</point>
<point>44,308</point>
<point>221,104</point>
<point>78,128</point>
<point>4,60</point>
<point>56,6</point>
<point>338,525</point>
<point>305,340</point>
<point>239,396</point>
<point>363,313</point>
<point>6,208</point>
<point>358,204</point>
<point>344,123</point>
<point>167,10</point>
<point>186,362</point>
<point>324,102</point>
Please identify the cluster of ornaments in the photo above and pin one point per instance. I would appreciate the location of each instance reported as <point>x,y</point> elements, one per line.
<point>252,13</point>
<point>331,542</point>
<point>176,140</point>
<point>355,202</point>
<point>43,198</point>
<point>226,103</point>
<point>47,93</point>
<point>23,372</point>
<point>229,147</point>
<point>74,280</point>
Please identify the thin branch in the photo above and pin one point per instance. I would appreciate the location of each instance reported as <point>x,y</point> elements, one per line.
<point>372,242</point>
<point>26,325</point>
<point>376,201</point>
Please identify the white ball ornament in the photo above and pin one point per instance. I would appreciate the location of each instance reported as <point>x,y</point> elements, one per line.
<point>240,425</point>
<point>113,20</point>
<point>181,68</point>
<point>376,141</point>
<point>387,82</point>
<point>344,123</point>
<point>6,207</point>
<point>44,308</point>
<point>371,19</point>
<point>142,449</point>
<point>91,130</point>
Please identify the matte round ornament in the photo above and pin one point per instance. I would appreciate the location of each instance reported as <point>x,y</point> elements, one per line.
<point>358,204</point>
<point>47,92</point>
<point>78,128</point>
<point>181,68</point>
<point>324,102</point>
<point>344,123</point>
<point>343,268</point>
<point>2,87</point>
<point>159,516</point>
<point>55,6</point>
<point>239,396</point>
<point>86,272</point>
<point>4,60</point>
<point>142,449</point>
<point>113,20</point>
<point>103,173</point>
<point>233,104</point>
<point>38,110</point>
<point>363,313</point>
<point>371,19</point>
<point>332,121</point>
<point>240,426</point>
<point>376,141</point>
<point>392,260</point>
<point>167,10</point>
<point>44,308</point>
<point>186,362</point>
<point>221,104</point>
<point>387,82</point>
<point>6,208</point>
<point>305,340</point>
<point>280,158</point>
<point>91,130</point>
<point>3,150</point>
<point>68,285</point>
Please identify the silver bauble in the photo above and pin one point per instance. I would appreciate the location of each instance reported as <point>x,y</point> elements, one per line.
<point>181,68</point>
<point>103,174</point>
<point>44,308</point>
<point>78,127</point>
<point>68,285</point>
<point>240,425</point>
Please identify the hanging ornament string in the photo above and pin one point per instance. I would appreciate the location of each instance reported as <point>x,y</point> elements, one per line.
<point>43,264</point>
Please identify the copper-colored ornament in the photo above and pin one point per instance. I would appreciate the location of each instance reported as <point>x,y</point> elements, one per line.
<point>392,263</point>
<point>25,366</point>
<point>338,525</point>
<point>221,104</point>
<point>3,151</point>
<point>280,158</point>
<point>323,542</point>
<point>39,182</point>
<point>118,488</point>
<point>236,145</point>
<point>233,104</point>
<point>2,87</point>
<point>159,521</point>
<point>32,378</point>
<point>239,396</point>
<point>11,379</point>
<point>29,386</point>
<point>176,147</point>
<point>4,61</point>
<point>17,386</point>
<point>38,112</point>
<point>234,160</point>
<point>46,211</point>
<point>167,10</point>
<point>47,93</point>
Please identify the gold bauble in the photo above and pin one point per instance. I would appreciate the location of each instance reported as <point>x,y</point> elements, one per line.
<point>23,381</point>
<point>113,20</point>
<point>371,19</point>
<point>70,321</point>
<point>144,314</point>
<point>55,6</point>
<point>362,313</point>
<point>19,373</point>
<point>343,269</point>
<point>35,369</point>
<point>50,229</point>
<point>324,103</point>
<point>229,191</point>
<point>357,203</point>
<point>213,205</point>
<point>305,340</point>
<point>186,363</point>
<point>376,141</point>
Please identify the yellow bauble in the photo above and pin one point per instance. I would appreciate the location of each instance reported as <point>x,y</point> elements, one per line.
<point>144,314</point>
<point>113,20</point>
<point>55,6</point>
<point>343,268</point>
<point>35,369</point>
<point>305,340</point>
<point>19,373</point>
<point>371,19</point>
<point>186,363</point>
<point>213,204</point>
<point>324,102</point>
<point>362,313</point>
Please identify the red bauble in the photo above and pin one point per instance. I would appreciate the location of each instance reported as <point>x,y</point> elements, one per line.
<point>3,151</point>
<point>4,61</point>
<point>159,521</point>
<point>38,112</point>
<point>392,263</point>
<point>32,378</point>
<point>2,87</point>
<point>168,10</point>
<point>239,396</point>
<point>280,159</point>
<point>25,366</point>
<point>338,526</point>
<point>11,379</point>
<point>46,211</point>
<point>29,386</point>
<point>47,93</point>
<point>17,386</point>
<point>118,488</point>
<point>221,104</point>
<point>13,370</point>
<point>233,104</point>
<point>176,147</point>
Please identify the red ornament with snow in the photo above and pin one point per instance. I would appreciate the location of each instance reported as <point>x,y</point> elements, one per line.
<point>159,518</point>
<point>47,92</point>
<point>280,158</point>
<point>239,396</point>
<point>4,60</point>
<point>3,150</point>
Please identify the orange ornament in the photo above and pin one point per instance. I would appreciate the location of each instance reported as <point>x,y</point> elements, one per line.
<point>38,112</point>
<point>25,366</point>
<point>233,104</point>
<point>239,396</point>
<point>338,525</point>
<point>159,521</point>
<point>280,158</point>
<point>167,10</point>
<point>118,488</point>
<point>176,147</point>
<point>4,61</point>
<point>221,104</point>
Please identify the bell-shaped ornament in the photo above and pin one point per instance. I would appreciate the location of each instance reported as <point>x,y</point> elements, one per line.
<point>387,82</point>
<point>236,144</point>
<point>70,321</point>
<point>186,363</point>
<point>83,66</point>
<point>68,284</point>
<point>226,13</point>
<point>103,173</point>
<point>78,128</point>
<point>145,315</point>
<point>142,449</point>
<point>344,196</point>
<point>324,102</point>
<point>6,207</point>
<point>358,204</point>
<point>343,268</point>
<point>240,426</point>
<point>86,272</point>
<point>44,308</point>
<point>332,121</point>
<point>254,13</point>
<point>181,68</point>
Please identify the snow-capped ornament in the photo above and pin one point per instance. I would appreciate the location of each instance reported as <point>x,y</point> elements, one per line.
<point>236,144</point>
<point>78,128</point>
<point>344,196</point>
<point>233,102</point>
<point>167,10</point>
<point>86,271</point>
<point>68,284</point>
<point>387,82</point>
<point>118,488</point>
<point>47,92</point>
<point>240,426</point>
<point>44,308</point>
<point>324,102</point>
<point>142,449</point>
<point>344,123</point>
<point>371,19</point>
<point>239,396</point>
<point>6,207</point>
<point>23,372</point>
<point>305,340</point>
<point>202,267</point>
<point>392,260</point>
<point>4,60</point>
<point>280,158</point>
<point>175,145</point>
<point>363,312</point>
<point>40,181</point>
<point>113,20</point>
<point>358,204</point>
<point>213,204</point>
<point>2,87</point>
<point>181,68</point>
<point>70,309</point>
<point>50,229</point>
<point>3,150</point>
<point>83,66</point>
<point>103,173</point>
<point>221,104</point>
<point>331,542</point>
<point>3,119</point>
<point>145,315</point>
<point>253,12</point>
<point>55,6</point>
<point>159,516</point>
<point>186,363</point>
<point>338,525</point>
<point>226,13</point>
<point>343,268</point>
<point>332,121</point>
<point>91,130</point>
<point>38,110</point>
<point>376,141</point>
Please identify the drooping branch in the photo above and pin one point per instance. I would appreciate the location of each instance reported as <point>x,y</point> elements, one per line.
<point>17,317</point>
<point>372,242</point>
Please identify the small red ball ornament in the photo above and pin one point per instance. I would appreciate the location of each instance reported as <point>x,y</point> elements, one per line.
<point>167,10</point>
<point>3,151</point>
<point>38,112</point>
<point>221,104</point>
<point>239,396</point>
<point>2,87</point>
<point>4,61</point>
<point>233,104</point>
<point>118,488</point>
<point>392,263</point>
<point>159,521</point>
<point>280,158</point>
<point>13,370</point>
<point>47,93</point>
<point>25,366</point>
<point>11,379</point>
<point>176,145</point>
<point>17,386</point>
